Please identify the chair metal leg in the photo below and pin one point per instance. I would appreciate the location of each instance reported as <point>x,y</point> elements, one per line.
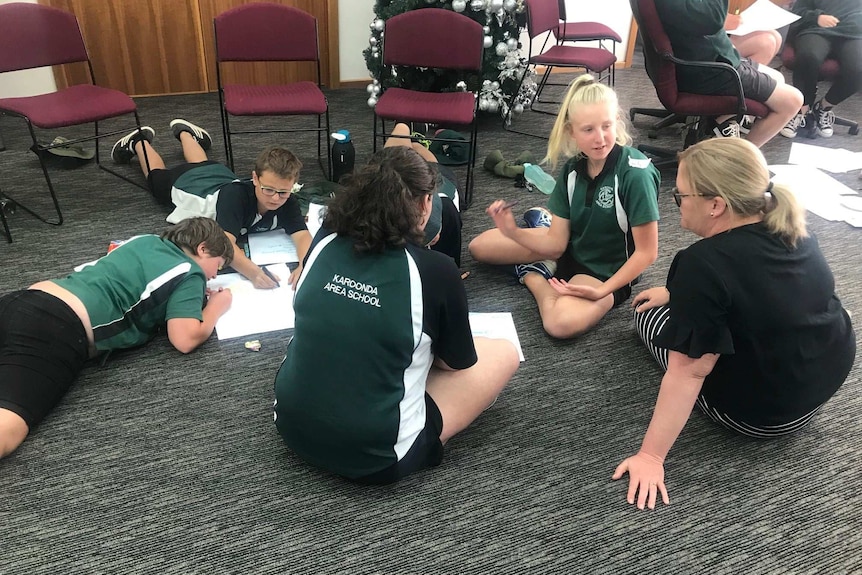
<point>854,126</point>
<point>6,204</point>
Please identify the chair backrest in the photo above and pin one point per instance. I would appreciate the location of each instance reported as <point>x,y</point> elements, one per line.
<point>33,35</point>
<point>433,38</point>
<point>265,32</point>
<point>656,48</point>
<point>542,15</point>
<point>562,5</point>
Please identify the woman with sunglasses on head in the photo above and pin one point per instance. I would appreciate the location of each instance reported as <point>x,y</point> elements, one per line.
<point>204,187</point>
<point>748,326</point>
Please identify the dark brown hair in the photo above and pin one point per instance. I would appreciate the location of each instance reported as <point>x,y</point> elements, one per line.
<point>379,205</point>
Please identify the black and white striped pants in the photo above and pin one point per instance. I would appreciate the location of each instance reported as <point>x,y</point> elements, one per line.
<point>649,323</point>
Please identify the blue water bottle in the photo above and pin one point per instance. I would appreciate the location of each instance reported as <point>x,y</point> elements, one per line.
<point>343,154</point>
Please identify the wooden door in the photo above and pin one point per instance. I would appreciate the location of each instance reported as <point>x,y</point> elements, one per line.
<point>140,48</point>
<point>274,72</point>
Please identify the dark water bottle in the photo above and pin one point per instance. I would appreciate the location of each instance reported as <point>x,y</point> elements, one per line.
<point>343,154</point>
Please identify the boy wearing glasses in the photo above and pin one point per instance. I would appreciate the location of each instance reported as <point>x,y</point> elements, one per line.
<point>203,187</point>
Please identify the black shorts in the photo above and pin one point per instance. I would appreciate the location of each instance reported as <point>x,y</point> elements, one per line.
<point>427,451</point>
<point>43,347</point>
<point>756,85</point>
<point>568,267</point>
<point>161,181</point>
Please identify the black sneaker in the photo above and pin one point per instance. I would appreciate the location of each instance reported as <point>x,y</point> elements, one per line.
<point>808,125</point>
<point>824,119</point>
<point>746,124</point>
<point>203,137</point>
<point>124,149</point>
<point>727,129</point>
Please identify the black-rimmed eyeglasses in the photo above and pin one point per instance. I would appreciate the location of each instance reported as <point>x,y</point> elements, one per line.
<point>677,197</point>
<point>273,191</point>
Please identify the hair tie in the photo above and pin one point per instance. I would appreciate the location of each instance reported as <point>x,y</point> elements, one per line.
<point>768,199</point>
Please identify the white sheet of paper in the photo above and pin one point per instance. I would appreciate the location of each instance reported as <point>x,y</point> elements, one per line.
<point>255,310</point>
<point>273,247</point>
<point>496,325</point>
<point>820,193</point>
<point>835,160</point>
<point>763,15</point>
<point>315,218</point>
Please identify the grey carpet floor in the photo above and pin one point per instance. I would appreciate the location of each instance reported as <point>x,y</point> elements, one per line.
<point>163,463</point>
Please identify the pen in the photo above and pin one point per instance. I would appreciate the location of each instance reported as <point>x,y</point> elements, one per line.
<point>507,206</point>
<point>270,276</point>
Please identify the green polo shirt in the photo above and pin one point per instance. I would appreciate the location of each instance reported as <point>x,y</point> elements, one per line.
<point>602,211</point>
<point>136,289</point>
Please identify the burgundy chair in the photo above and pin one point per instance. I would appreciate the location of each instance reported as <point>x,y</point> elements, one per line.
<point>266,32</point>
<point>543,19</point>
<point>404,45</point>
<point>586,32</point>
<point>661,66</point>
<point>32,36</point>
<point>828,71</point>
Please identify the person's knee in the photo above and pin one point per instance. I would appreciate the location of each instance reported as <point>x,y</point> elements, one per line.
<point>562,329</point>
<point>13,431</point>
<point>479,248</point>
<point>786,100</point>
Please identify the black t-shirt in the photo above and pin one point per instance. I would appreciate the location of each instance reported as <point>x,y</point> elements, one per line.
<point>236,212</point>
<point>785,341</point>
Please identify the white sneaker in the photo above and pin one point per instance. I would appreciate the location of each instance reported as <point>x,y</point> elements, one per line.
<point>727,129</point>
<point>746,124</point>
<point>792,127</point>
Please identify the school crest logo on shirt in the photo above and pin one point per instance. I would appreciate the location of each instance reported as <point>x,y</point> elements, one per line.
<point>605,197</point>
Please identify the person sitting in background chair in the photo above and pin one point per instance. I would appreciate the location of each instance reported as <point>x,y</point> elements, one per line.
<point>696,32</point>
<point>748,326</point>
<point>827,28</point>
<point>48,332</point>
<point>203,187</point>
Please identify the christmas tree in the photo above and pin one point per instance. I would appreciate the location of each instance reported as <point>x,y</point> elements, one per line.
<point>502,67</point>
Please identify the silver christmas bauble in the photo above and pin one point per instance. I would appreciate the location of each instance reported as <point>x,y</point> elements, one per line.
<point>501,49</point>
<point>369,88</point>
<point>372,101</point>
<point>512,44</point>
<point>377,24</point>
<point>486,30</point>
<point>372,41</point>
<point>519,108</point>
<point>493,105</point>
<point>483,104</point>
<point>487,42</point>
<point>477,4</point>
<point>462,86</point>
<point>459,5</point>
<point>495,5</point>
<point>495,85</point>
<point>510,5</point>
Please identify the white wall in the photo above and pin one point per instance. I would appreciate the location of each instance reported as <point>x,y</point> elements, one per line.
<point>354,16</point>
<point>614,13</point>
<point>26,82</point>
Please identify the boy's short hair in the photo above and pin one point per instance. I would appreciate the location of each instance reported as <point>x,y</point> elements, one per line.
<point>280,161</point>
<point>191,232</point>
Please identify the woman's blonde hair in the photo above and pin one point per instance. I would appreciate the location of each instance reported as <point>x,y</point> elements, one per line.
<point>584,90</point>
<point>735,170</point>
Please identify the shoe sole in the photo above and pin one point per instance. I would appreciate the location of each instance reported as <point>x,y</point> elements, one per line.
<point>205,144</point>
<point>119,143</point>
